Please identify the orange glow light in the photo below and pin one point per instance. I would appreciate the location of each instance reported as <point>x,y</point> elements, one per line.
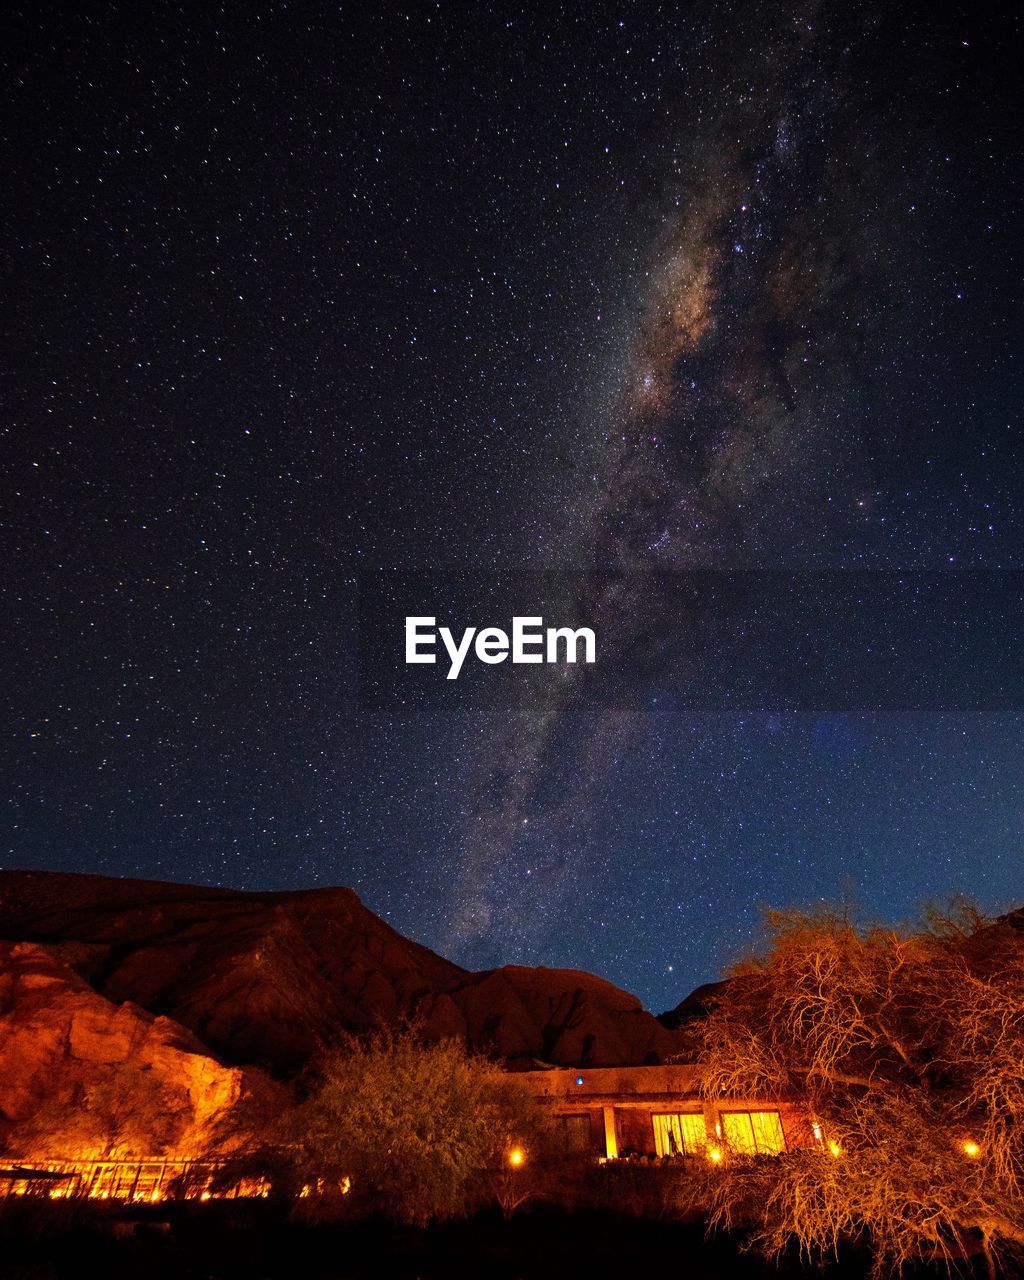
<point>516,1157</point>
<point>714,1154</point>
<point>835,1149</point>
<point>971,1149</point>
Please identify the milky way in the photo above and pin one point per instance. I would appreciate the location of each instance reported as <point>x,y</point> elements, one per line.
<point>760,292</point>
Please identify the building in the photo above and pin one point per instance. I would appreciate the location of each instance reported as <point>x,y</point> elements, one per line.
<point>655,1111</point>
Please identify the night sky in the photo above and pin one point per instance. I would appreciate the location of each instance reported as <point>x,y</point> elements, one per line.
<point>306,304</point>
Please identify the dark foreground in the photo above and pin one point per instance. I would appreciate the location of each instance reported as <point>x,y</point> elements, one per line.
<point>225,1241</point>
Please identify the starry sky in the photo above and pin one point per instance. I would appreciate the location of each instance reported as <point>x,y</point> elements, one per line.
<point>315,312</point>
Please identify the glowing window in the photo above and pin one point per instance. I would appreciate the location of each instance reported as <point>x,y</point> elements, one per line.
<point>680,1134</point>
<point>754,1132</point>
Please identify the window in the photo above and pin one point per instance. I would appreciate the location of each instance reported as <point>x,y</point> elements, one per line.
<point>574,1132</point>
<point>754,1132</point>
<point>682,1134</point>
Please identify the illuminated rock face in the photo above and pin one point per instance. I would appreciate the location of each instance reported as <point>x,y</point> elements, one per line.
<point>269,978</point>
<point>79,1070</point>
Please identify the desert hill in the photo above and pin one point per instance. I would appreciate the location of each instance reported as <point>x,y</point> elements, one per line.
<point>268,978</point>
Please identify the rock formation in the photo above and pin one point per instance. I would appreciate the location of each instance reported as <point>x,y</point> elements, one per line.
<point>78,1070</point>
<point>268,978</point>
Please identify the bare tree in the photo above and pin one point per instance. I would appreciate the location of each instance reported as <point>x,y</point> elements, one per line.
<point>907,1048</point>
<point>128,1110</point>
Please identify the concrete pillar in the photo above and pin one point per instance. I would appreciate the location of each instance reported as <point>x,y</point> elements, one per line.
<point>611,1142</point>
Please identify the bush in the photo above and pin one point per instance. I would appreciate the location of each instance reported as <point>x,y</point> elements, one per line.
<point>419,1132</point>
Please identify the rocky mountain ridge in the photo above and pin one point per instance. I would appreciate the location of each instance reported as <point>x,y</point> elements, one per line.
<point>267,979</point>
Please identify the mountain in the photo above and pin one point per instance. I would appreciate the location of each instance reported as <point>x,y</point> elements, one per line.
<point>692,1007</point>
<point>269,978</point>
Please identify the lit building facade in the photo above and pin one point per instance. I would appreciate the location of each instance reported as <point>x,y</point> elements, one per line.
<point>657,1111</point>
